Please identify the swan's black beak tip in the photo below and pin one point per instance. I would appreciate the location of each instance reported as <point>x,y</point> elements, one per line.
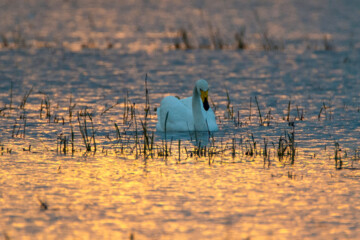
<point>206,104</point>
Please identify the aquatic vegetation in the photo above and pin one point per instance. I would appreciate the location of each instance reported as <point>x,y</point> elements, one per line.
<point>134,136</point>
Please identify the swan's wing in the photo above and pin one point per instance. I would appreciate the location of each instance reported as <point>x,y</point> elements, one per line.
<point>176,114</point>
<point>187,102</point>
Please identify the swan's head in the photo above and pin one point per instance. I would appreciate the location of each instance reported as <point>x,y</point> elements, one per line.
<point>203,90</point>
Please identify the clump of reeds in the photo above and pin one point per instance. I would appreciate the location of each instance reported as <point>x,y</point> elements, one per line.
<point>2,149</point>
<point>327,111</point>
<point>250,145</point>
<point>250,110</point>
<point>147,99</point>
<point>25,98</point>
<point>266,153</point>
<point>215,40</point>
<point>229,114</point>
<point>259,111</point>
<point>240,39</point>
<point>215,37</point>
<point>148,140</point>
<point>179,150</point>
<point>287,146</point>
<point>19,39</point>
<point>19,128</point>
<point>288,111</point>
<point>182,40</point>
<point>119,138</point>
<point>200,151</point>
<point>233,148</point>
<point>337,157</point>
<point>5,42</point>
<point>291,175</point>
<point>299,114</point>
<point>46,104</point>
<point>356,157</point>
<point>11,95</point>
<point>268,43</point>
<point>328,46</point>
<point>165,151</point>
<point>292,146</point>
<point>71,109</point>
<point>62,144</point>
<point>88,135</point>
<point>262,121</point>
<point>129,110</point>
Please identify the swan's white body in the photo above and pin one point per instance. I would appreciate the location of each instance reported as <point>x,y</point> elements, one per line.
<point>187,114</point>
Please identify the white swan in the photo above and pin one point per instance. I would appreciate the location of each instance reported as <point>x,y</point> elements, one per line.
<point>189,114</point>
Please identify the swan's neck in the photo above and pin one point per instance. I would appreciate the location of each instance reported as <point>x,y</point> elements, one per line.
<point>199,120</point>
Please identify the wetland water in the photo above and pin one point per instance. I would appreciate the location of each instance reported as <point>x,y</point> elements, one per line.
<point>47,192</point>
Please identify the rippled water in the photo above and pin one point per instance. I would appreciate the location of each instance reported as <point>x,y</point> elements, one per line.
<point>117,191</point>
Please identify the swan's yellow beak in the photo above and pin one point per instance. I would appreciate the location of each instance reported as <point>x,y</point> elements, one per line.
<point>204,99</point>
<point>204,95</point>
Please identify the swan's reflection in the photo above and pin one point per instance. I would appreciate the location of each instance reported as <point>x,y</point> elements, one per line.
<point>197,138</point>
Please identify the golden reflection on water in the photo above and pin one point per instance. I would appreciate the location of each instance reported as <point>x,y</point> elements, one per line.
<point>112,196</point>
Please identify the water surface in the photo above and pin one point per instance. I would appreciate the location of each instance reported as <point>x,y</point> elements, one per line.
<point>117,190</point>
